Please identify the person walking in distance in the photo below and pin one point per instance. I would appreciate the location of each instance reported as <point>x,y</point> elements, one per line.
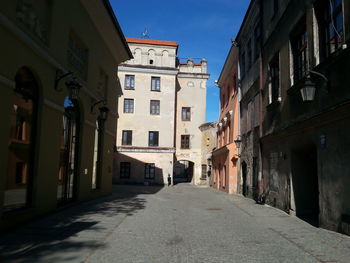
<point>169,180</point>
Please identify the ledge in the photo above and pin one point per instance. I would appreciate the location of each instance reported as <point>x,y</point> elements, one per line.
<point>145,149</point>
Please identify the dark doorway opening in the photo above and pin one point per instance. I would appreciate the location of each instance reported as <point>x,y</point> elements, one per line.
<point>69,149</point>
<point>255,178</point>
<point>244,179</point>
<point>183,171</point>
<point>305,184</point>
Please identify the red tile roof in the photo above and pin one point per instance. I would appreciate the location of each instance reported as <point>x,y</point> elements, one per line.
<point>152,42</point>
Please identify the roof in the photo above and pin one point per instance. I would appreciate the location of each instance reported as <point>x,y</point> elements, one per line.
<point>152,42</point>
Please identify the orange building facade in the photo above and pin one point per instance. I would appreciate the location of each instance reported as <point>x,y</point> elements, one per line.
<point>226,156</point>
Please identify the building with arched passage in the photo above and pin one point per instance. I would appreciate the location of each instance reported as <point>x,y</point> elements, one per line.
<point>158,132</point>
<point>56,145</point>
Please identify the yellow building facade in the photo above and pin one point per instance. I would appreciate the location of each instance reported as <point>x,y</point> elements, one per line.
<point>58,81</point>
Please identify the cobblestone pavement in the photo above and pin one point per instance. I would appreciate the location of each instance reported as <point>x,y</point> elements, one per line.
<point>181,224</point>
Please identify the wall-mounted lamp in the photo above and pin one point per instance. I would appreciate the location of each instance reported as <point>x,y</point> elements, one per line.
<point>103,110</point>
<point>103,113</point>
<point>238,141</point>
<point>59,76</point>
<point>73,88</point>
<point>309,89</point>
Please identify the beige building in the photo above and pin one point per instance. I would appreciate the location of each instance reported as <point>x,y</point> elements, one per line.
<point>48,154</point>
<point>158,134</point>
<point>209,143</point>
<point>191,109</point>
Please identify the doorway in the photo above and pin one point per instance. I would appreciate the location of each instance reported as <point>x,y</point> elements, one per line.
<point>69,151</point>
<point>255,178</point>
<point>244,179</point>
<point>183,171</point>
<point>305,184</point>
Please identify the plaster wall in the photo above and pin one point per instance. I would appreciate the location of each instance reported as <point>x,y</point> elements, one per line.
<point>25,48</point>
<point>189,86</point>
<point>141,121</point>
<point>163,167</point>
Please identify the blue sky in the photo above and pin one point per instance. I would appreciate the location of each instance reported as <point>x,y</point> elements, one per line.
<point>203,29</point>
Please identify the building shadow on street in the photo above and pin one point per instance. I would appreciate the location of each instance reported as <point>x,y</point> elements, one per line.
<point>72,233</point>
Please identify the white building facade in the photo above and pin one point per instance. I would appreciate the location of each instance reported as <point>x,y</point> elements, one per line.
<point>154,87</point>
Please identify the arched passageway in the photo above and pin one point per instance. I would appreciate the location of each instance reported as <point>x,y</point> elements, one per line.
<point>183,171</point>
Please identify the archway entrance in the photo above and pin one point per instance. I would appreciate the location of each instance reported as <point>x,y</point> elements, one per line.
<point>183,171</point>
<point>305,184</point>
<point>244,179</point>
<point>21,151</point>
<point>69,152</point>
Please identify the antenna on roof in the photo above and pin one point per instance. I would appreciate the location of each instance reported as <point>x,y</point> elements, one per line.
<point>145,33</point>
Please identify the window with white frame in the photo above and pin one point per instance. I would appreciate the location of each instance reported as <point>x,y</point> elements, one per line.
<point>129,82</point>
<point>155,84</point>
<point>155,107</point>
<point>150,171</point>
<point>128,105</point>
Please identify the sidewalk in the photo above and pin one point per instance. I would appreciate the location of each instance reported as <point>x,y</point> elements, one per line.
<point>73,234</point>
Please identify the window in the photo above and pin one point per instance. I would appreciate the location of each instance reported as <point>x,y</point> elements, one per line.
<point>150,171</point>
<point>257,41</point>
<point>129,82</point>
<point>204,171</point>
<point>102,85</point>
<point>186,113</point>
<point>128,105</point>
<point>78,55</point>
<point>274,85</point>
<point>125,170</point>
<point>155,107</point>
<point>243,65</point>
<point>300,53</point>
<point>249,54</point>
<point>153,138</point>
<point>228,137</point>
<point>127,137</point>
<point>185,141</point>
<point>330,17</point>
<point>155,84</point>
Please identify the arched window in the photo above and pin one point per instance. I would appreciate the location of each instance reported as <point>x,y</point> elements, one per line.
<point>69,152</point>
<point>21,152</point>
<point>165,58</point>
<point>151,57</point>
<point>137,56</point>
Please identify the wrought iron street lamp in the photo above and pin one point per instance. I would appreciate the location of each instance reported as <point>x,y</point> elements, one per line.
<point>103,113</point>
<point>73,88</point>
<point>308,90</point>
<point>238,141</point>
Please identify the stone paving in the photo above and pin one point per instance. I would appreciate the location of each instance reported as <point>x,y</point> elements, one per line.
<point>177,224</point>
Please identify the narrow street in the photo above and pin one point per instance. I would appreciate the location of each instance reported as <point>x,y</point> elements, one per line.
<point>181,224</point>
